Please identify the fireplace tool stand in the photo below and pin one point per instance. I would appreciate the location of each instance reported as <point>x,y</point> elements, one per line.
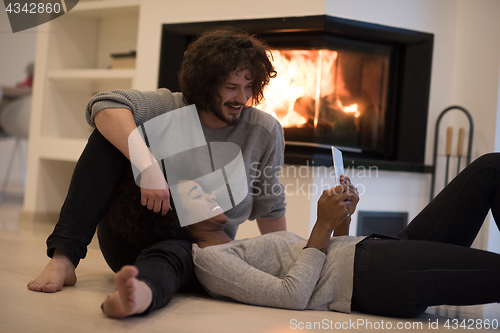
<point>448,154</point>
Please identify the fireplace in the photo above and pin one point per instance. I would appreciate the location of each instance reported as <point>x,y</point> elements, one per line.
<point>359,86</point>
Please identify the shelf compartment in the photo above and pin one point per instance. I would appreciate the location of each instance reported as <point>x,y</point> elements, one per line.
<point>56,149</point>
<point>85,38</point>
<point>53,181</point>
<point>68,95</point>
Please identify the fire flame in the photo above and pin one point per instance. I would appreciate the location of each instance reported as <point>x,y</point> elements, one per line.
<point>353,108</point>
<point>304,77</point>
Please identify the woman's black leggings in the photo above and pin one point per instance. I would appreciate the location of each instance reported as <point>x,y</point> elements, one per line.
<point>431,262</point>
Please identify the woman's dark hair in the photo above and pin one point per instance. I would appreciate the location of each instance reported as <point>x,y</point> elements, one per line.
<point>210,59</point>
<point>137,224</point>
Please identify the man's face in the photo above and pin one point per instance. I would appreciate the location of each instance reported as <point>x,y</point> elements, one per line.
<point>235,93</point>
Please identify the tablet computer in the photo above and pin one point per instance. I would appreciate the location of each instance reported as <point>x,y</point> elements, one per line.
<point>338,164</point>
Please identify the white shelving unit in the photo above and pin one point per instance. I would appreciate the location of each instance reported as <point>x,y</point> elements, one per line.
<point>72,64</point>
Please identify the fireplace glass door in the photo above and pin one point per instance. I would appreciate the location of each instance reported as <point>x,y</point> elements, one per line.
<point>330,97</point>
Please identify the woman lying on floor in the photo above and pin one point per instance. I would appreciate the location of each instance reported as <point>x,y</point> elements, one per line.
<point>428,263</point>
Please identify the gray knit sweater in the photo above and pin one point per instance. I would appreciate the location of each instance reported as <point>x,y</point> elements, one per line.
<point>275,270</point>
<point>258,134</point>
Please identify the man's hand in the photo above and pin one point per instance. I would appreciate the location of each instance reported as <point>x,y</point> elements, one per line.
<point>119,128</point>
<point>154,190</point>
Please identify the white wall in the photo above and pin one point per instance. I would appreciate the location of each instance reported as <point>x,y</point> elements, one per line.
<point>18,50</point>
<point>476,82</point>
<point>493,239</point>
<point>477,64</point>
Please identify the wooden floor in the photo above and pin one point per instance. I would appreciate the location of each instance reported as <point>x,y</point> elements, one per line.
<point>77,308</point>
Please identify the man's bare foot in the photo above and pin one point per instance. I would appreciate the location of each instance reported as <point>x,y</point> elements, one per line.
<point>131,296</point>
<point>59,272</point>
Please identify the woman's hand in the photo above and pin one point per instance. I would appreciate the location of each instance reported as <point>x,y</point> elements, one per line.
<point>353,193</point>
<point>333,207</point>
<point>332,211</point>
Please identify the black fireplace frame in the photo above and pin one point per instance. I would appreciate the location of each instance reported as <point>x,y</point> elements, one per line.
<point>410,72</point>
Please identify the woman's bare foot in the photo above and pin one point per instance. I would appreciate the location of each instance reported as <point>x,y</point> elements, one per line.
<point>131,296</point>
<point>59,272</point>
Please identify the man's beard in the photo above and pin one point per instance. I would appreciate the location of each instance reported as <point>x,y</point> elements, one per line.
<point>230,120</point>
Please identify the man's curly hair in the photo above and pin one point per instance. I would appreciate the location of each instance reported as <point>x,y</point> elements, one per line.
<point>137,224</point>
<point>210,59</point>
